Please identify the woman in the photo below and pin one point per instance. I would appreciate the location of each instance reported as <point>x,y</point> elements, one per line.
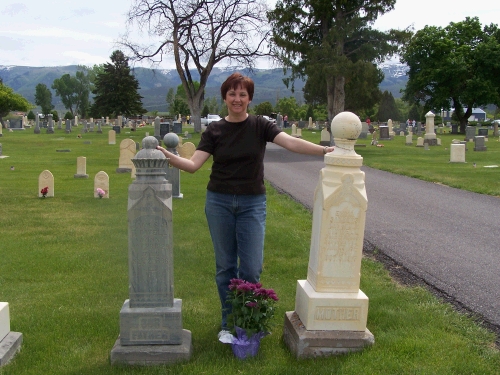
<point>236,202</point>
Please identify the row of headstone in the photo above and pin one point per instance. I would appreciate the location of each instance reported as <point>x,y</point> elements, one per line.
<point>296,131</point>
<point>46,181</point>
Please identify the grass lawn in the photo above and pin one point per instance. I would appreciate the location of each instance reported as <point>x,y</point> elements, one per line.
<point>64,270</point>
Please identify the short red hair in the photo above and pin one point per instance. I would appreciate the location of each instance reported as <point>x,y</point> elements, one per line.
<point>235,81</point>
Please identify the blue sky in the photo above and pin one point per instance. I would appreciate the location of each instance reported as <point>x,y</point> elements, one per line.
<point>66,32</point>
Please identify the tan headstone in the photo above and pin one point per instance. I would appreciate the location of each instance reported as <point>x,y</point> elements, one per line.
<point>81,167</point>
<point>457,153</point>
<point>46,179</point>
<point>325,136</point>
<point>186,150</point>
<point>111,137</point>
<point>101,181</point>
<point>127,152</point>
<point>420,142</point>
<point>294,130</point>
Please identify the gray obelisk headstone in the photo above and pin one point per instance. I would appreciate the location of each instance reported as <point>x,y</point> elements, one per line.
<point>150,320</point>
<point>157,129</point>
<point>172,174</point>
<point>50,127</point>
<point>37,124</point>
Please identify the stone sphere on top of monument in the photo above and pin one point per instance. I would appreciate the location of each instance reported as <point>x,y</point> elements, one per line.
<point>171,140</point>
<point>346,125</point>
<point>149,150</point>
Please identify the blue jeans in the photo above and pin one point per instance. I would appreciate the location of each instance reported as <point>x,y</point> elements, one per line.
<point>237,226</point>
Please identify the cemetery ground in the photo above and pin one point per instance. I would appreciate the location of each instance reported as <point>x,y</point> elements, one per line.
<point>64,267</point>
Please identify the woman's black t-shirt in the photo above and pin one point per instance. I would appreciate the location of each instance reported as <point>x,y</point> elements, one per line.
<point>238,154</point>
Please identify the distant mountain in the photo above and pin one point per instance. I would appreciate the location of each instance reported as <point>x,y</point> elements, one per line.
<point>154,84</point>
<point>394,78</point>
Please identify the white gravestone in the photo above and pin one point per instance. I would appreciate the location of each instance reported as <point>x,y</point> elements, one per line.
<point>430,135</point>
<point>111,137</point>
<point>127,152</point>
<point>101,181</point>
<point>46,179</point>
<point>457,153</point>
<point>330,310</point>
<point>81,167</point>
<point>10,342</point>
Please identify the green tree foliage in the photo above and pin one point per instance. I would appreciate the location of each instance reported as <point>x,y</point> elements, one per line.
<point>10,101</point>
<point>310,113</point>
<point>43,98</point>
<point>387,108</point>
<point>416,113</point>
<point>331,41</point>
<point>31,115</point>
<point>264,108</point>
<point>68,116</point>
<point>288,106</point>
<point>74,91</point>
<point>454,67</point>
<point>170,100</point>
<point>212,104</point>
<point>199,34</point>
<point>116,90</point>
<point>205,111</point>
<point>55,116</point>
<point>361,89</point>
<point>178,103</point>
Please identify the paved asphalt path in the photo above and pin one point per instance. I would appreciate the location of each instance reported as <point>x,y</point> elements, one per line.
<point>447,237</point>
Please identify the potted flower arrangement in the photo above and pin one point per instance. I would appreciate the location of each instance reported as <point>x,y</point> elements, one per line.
<point>253,308</point>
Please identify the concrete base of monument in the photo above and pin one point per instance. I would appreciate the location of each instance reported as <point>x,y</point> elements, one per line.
<point>81,175</point>
<point>330,311</point>
<point>311,344</point>
<point>151,355</point>
<point>9,346</point>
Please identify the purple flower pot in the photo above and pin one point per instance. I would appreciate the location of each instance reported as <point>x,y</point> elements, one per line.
<point>243,346</point>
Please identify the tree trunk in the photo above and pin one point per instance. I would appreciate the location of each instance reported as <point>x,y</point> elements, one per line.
<point>330,97</point>
<point>339,95</point>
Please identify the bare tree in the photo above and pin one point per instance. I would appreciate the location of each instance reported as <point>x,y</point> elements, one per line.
<point>199,34</point>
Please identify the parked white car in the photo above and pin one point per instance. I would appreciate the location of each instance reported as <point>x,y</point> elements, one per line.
<point>269,119</point>
<point>209,119</point>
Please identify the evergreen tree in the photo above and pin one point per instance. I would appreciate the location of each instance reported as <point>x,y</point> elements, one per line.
<point>415,113</point>
<point>387,108</point>
<point>331,40</point>
<point>116,90</point>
